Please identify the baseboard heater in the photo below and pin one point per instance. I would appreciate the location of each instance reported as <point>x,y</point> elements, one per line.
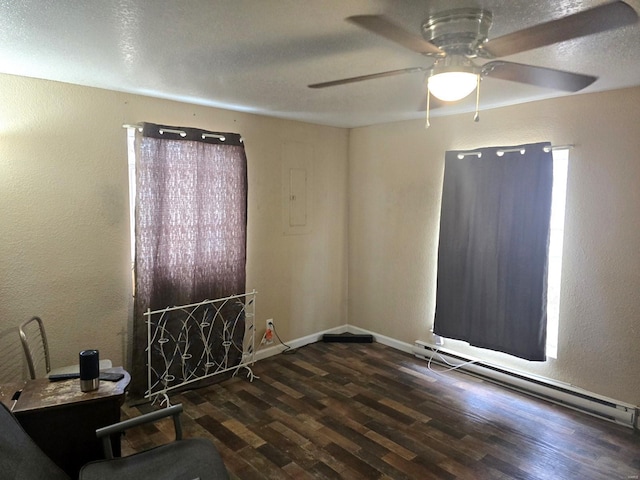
<point>559,393</point>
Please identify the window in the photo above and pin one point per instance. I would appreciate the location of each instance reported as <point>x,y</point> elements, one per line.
<point>131,154</point>
<point>494,256</point>
<point>556,236</point>
<point>188,230</point>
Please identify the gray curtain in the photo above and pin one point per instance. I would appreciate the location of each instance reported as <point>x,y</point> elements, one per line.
<point>191,217</point>
<point>493,249</point>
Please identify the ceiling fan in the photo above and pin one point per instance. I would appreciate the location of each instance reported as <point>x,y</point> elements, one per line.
<point>458,41</point>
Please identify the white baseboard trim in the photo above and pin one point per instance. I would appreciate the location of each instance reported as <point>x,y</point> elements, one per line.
<point>266,352</point>
<point>388,341</point>
<point>262,353</point>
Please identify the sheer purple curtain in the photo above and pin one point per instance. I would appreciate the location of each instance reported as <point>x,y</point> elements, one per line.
<point>191,217</point>
<point>493,249</point>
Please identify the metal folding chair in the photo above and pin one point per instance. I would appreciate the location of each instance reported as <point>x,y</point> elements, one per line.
<point>36,350</point>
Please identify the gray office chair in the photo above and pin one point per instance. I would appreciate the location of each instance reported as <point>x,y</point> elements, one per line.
<point>185,459</point>
<point>36,350</point>
<point>20,457</point>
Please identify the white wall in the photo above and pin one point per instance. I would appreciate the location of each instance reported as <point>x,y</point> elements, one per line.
<point>64,240</point>
<point>395,183</point>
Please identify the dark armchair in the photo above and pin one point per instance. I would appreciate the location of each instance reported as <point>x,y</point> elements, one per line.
<point>185,459</point>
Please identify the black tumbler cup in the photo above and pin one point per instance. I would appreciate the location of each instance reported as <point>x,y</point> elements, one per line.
<point>89,370</point>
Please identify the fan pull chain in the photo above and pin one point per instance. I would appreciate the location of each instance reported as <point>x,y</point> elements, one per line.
<point>476,117</point>
<point>428,124</point>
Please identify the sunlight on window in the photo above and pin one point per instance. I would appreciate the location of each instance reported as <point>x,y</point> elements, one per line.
<point>558,201</point>
<point>131,151</point>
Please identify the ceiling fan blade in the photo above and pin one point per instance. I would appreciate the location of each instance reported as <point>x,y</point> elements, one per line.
<point>598,19</point>
<point>538,76</point>
<point>361,78</point>
<point>385,28</point>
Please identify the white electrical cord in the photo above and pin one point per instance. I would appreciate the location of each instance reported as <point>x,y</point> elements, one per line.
<point>444,360</point>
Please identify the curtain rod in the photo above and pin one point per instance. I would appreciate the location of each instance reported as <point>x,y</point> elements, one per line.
<point>182,133</point>
<point>501,152</point>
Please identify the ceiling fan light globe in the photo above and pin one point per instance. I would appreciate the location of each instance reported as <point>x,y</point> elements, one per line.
<point>452,86</point>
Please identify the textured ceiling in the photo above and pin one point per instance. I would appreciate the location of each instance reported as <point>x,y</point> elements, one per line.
<point>260,55</point>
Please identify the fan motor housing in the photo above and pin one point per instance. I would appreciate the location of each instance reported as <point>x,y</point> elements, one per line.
<point>459,31</point>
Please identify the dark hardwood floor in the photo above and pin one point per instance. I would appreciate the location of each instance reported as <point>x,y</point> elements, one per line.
<point>366,411</point>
